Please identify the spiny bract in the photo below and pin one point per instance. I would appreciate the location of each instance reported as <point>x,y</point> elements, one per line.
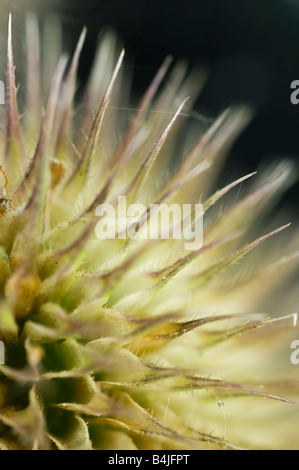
<point>132,343</point>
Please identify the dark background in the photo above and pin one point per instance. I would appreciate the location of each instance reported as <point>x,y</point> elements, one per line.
<point>250,46</point>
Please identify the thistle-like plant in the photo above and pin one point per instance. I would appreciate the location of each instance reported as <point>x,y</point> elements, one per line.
<point>133,343</point>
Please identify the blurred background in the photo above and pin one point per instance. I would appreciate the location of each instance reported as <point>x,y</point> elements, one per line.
<point>249,48</point>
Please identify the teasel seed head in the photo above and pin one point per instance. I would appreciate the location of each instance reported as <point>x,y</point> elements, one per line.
<point>136,343</point>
